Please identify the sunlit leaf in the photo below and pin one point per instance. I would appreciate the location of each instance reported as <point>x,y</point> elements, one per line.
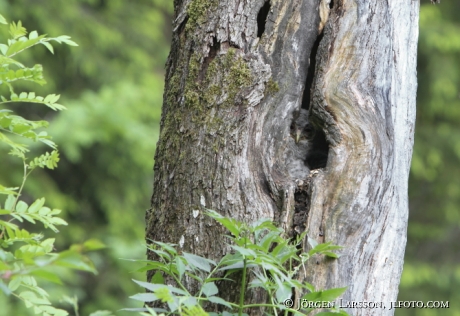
<point>209,289</point>
<point>198,262</point>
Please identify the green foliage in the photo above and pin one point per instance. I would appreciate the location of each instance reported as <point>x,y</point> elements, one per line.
<point>20,211</point>
<point>259,249</point>
<point>112,86</point>
<point>73,301</point>
<point>26,256</point>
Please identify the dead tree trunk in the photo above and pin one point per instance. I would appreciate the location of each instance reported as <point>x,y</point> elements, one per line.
<point>240,78</point>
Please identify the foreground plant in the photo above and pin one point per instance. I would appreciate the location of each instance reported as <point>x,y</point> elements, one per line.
<point>260,251</point>
<point>25,255</point>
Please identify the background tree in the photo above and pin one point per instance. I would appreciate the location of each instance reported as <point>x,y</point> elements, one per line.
<point>237,79</point>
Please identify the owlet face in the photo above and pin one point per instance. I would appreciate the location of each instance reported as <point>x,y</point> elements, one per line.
<point>301,128</point>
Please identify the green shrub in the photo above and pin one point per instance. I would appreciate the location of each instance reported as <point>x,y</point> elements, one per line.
<point>260,249</point>
<point>26,256</point>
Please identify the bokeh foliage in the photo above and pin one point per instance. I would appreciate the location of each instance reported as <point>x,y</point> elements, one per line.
<point>112,85</point>
<point>432,262</point>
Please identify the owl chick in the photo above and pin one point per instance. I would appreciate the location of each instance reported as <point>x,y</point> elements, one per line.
<point>298,146</point>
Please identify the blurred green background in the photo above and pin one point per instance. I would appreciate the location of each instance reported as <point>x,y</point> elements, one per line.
<point>112,85</point>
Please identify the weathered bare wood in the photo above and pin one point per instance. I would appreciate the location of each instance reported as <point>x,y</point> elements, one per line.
<point>366,84</point>
<point>228,142</point>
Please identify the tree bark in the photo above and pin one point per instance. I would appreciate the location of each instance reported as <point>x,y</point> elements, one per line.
<point>237,78</point>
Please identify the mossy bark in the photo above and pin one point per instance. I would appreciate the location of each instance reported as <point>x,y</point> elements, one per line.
<point>236,78</point>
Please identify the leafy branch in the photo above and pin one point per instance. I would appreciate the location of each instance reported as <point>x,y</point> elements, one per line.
<point>26,256</point>
<point>260,251</point>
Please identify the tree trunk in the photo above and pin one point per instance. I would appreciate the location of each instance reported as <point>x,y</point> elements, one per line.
<point>235,135</point>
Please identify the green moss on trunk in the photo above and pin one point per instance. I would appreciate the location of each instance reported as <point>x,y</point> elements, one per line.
<point>197,12</point>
